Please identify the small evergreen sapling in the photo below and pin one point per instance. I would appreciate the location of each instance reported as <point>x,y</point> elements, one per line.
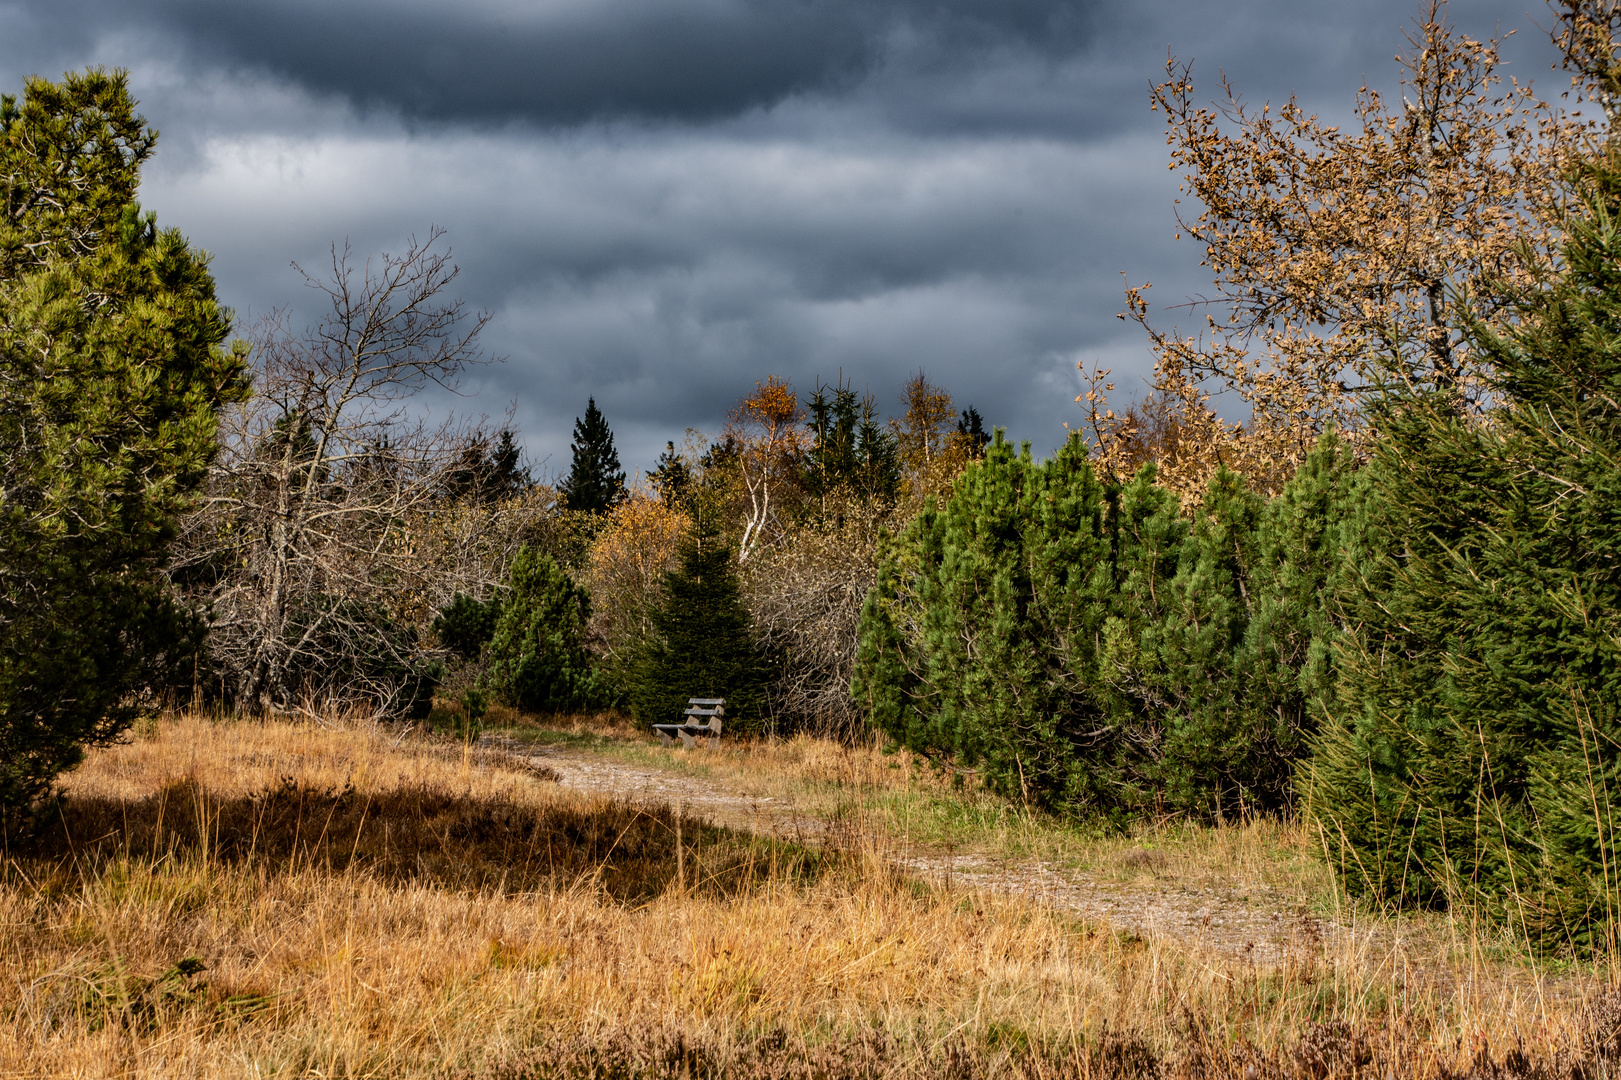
<point>537,655</point>
<point>702,645</point>
<point>465,626</point>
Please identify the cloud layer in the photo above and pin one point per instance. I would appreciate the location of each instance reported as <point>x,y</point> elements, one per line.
<point>662,201</point>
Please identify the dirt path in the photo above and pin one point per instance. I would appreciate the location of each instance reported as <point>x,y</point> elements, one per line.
<point>1231,923</point>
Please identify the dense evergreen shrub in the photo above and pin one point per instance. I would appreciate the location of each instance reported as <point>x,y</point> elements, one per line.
<point>1472,756</point>
<point>1093,648</point>
<point>537,656</point>
<point>702,644</point>
<point>1242,652</point>
<point>465,625</point>
<point>980,642</point>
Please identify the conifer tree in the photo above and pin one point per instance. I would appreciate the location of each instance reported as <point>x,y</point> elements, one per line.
<point>979,643</point>
<point>878,460</point>
<point>595,482</point>
<point>1206,757</point>
<point>702,644</point>
<point>1086,647</point>
<point>670,476</point>
<point>971,430</point>
<point>1472,756</point>
<point>537,655</point>
<point>111,378</point>
<point>465,625</point>
<point>488,473</point>
<point>853,452</point>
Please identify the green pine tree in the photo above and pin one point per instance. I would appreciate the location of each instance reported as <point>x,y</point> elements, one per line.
<point>1091,649</point>
<point>537,655</point>
<point>1240,663</point>
<point>595,483</point>
<point>979,644</point>
<point>111,378</point>
<point>1472,756</point>
<point>702,644</point>
<point>670,476</point>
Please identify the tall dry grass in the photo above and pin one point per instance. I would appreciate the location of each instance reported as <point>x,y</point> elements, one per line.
<point>247,899</point>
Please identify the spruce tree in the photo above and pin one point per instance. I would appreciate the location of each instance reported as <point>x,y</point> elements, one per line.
<point>537,655</point>
<point>1472,755</point>
<point>854,453</point>
<point>111,378</point>
<point>670,476</point>
<point>702,644</point>
<point>595,483</point>
<point>487,473</point>
<point>971,429</point>
<point>878,457</point>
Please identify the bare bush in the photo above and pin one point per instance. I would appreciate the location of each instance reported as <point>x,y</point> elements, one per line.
<point>805,594</point>
<point>302,554</point>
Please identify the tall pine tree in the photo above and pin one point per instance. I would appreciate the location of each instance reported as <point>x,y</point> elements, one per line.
<point>111,378</point>
<point>1473,757</point>
<point>595,483</point>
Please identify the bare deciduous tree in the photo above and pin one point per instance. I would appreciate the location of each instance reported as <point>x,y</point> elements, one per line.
<point>805,595</point>
<point>303,549</point>
<point>768,429</point>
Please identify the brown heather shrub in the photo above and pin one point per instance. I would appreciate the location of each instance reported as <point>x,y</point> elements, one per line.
<point>1325,1051</point>
<point>675,1054</point>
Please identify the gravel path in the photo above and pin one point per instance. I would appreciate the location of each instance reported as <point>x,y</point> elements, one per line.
<point>1230,923</point>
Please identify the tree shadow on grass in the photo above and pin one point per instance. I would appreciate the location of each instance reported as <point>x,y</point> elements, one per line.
<point>421,833</point>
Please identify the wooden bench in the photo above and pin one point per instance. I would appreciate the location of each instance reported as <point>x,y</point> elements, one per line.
<point>703,716</point>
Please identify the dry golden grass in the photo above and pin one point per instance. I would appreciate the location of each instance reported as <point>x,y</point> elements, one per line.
<point>646,945</point>
<point>898,800</point>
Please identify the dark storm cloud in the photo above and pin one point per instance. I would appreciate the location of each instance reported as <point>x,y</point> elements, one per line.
<point>572,61</point>
<point>664,200</point>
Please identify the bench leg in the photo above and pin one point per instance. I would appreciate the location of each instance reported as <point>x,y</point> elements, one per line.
<point>689,741</point>
<point>664,738</point>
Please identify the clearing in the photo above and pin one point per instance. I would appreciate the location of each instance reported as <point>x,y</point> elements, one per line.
<point>1253,892</point>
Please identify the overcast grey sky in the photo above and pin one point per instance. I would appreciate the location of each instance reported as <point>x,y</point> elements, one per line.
<point>662,201</point>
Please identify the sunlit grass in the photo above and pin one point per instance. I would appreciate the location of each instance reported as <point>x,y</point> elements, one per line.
<point>258,899</point>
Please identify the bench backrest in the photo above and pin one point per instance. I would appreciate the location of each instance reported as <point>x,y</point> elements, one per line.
<point>711,709</point>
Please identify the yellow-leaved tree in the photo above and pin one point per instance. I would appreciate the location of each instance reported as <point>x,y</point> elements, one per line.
<point>767,430</point>
<point>636,545</point>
